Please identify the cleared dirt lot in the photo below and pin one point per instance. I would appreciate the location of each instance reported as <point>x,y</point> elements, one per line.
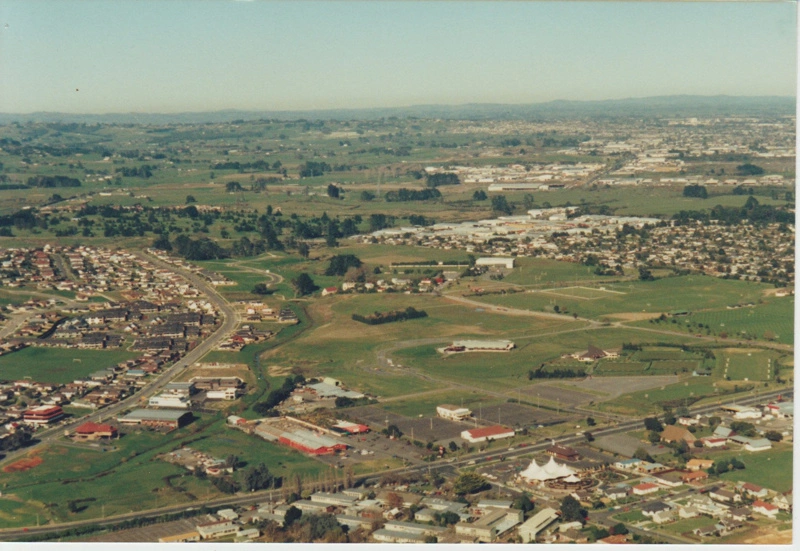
<point>554,394</point>
<point>425,430</point>
<point>616,386</point>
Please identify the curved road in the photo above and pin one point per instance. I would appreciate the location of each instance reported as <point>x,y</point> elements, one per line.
<point>230,323</point>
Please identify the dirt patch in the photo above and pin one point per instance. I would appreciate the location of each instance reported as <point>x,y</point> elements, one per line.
<point>771,538</point>
<point>24,464</point>
<point>634,316</point>
<point>616,386</point>
<point>279,370</point>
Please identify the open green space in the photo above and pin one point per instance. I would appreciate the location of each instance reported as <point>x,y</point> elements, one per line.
<point>771,319</point>
<point>771,469</point>
<point>58,365</point>
<point>688,391</point>
<point>747,364</point>
<point>505,371</point>
<point>661,296</point>
<point>220,441</point>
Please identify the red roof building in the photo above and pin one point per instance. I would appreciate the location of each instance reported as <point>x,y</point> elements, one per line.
<point>94,431</point>
<point>43,415</point>
<point>495,432</point>
<point>645,488</point>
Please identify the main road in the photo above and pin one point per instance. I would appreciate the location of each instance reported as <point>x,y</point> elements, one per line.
<point>231,320</point>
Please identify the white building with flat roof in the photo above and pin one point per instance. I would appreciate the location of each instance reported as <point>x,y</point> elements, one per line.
<point>453,413</point>
<point>504,262</point>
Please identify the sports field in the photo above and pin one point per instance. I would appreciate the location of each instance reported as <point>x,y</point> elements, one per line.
<point>771,469</point>
<point>752,364</point>
<point>58,365</point>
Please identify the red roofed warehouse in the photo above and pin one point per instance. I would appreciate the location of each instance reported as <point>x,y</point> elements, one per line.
<point>94,431</point>
<point>350,428</point>
<point>308,442</point>
<point>43,415</point>
<point>483,434</point>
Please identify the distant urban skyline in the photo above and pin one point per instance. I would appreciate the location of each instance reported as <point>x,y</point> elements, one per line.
<point>180,56</point>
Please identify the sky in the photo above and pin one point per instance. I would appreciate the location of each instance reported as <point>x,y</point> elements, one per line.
<point>122,56</point>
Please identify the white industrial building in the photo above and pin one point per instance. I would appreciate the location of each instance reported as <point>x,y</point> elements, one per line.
<point>453,413</point>
<point>538,522</point>
<point>504,262</point>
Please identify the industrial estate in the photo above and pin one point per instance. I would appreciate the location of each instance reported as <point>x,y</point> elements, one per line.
<point>568,327</point>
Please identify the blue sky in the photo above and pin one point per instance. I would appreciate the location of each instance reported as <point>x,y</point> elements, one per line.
<point>97,56</point>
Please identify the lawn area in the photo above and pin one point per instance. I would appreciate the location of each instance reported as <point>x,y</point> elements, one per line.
<point>221,441</point>
<point>771,469</point>
<point>775,315</point>
<point>129,478</point>
<point>339,347</point>
<point>649,400</point>
<point>661,296</point>
<point>739,364</point>
<point>507,371</point>
<point>685,525</point>
<point>58,365</point>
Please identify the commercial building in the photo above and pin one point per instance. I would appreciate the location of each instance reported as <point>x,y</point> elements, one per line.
<point>42,415</point>
<point>496,261</point>
<point>157,418</point>
<point>494,523</point>
<point>309,442</point>
<point>453,413</point>
<point>350,428</point>
<point>538,522</point>
<point>174,401</point>
<point>94,431</point>
<point>495,432</point>
<point>218,529</point>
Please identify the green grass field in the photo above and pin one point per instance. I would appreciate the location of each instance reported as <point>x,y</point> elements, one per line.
<point>660,296</point>
<point>58,365</point>
<point>771,469</point>
<point>620,368</point>
<point>750,364</point>
<point>774,315</point>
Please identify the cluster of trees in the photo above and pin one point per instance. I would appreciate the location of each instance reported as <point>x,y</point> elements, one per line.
<point>500,205</point>
<point>379,318</point>
<point>314,168</point>
<point>470,483</point>
<point>303,285</point>
<point>555,374</point>
<point>16,440</point>
<point>749,169</point>
<point>693,190</point>
<point>442,179</point>
<point>254,478</point>
<point>259,165</point>
<point>278,395</point>
<point>53,181</point>
<point>340,263</point>
<point>404,194</point>
<point>724,465</point>
<point>752,212</point>
<point>143,171</point>
<point>198,249</point>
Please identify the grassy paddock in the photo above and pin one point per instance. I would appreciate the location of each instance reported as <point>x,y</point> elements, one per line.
<point>58,365</point>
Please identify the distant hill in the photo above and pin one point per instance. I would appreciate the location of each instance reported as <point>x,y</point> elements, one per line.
<point>658,106</point>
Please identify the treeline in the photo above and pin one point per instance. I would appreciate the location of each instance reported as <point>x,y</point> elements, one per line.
<point>695,191</point>
<point>555,374</point>
<point>53,181</point>
<point>752,212</point>
<point>143,171</point>
<point>442,179</point>
<point>379,318</point>
<point>404,194</point>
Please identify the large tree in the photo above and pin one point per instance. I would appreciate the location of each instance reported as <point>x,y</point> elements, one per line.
<point>303,285</point>
<point>469,483</point>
